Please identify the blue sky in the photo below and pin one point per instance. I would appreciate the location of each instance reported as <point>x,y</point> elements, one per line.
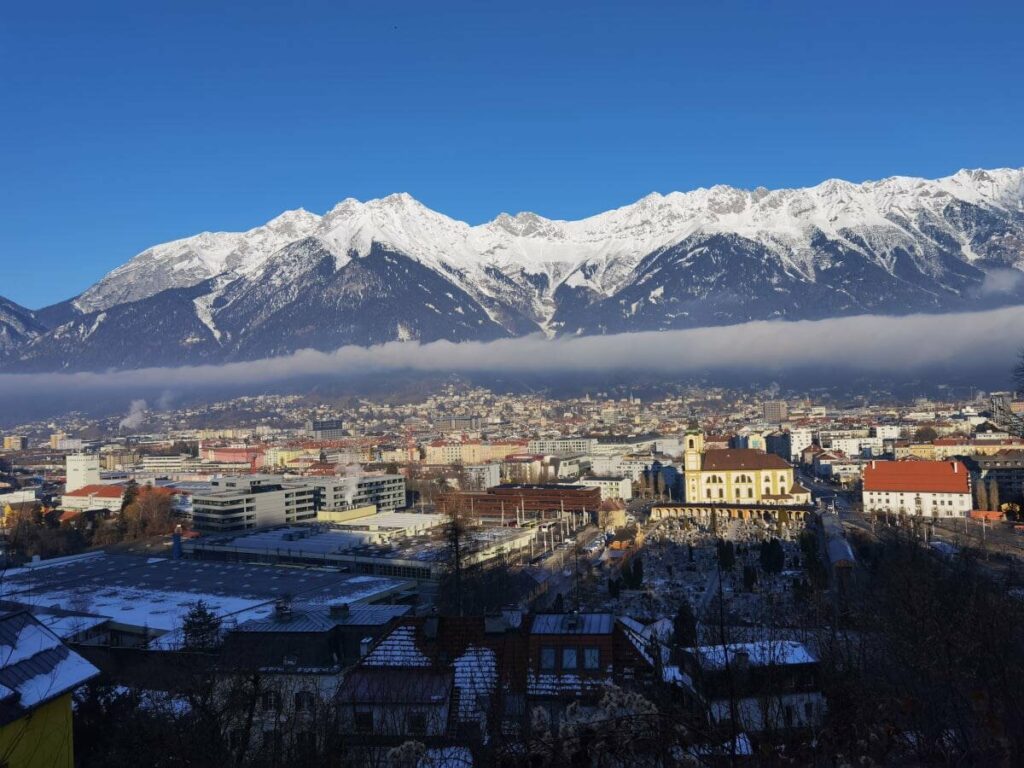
<point>129,125</point>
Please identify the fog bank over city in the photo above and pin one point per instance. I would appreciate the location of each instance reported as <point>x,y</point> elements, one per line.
<point>868,344</point>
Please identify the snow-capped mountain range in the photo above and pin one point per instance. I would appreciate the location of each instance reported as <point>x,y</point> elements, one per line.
<point>392,269</point>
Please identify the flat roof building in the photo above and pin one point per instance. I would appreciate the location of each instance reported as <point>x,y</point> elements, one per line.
<point>252,501</point>
<point>147,597</point>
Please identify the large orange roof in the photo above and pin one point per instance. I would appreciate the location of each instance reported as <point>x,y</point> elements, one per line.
<point>911,476</point>
<point>101,491</point>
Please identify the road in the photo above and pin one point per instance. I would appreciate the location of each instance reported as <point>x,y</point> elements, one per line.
<point>844,501</point>
<point>992,537</point>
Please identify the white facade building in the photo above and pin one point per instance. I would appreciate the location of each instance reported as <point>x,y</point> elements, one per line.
<point>917,488</point>
<point>611,487</point>
<point>480,477</point>
<point>252,501</point>
<point>82,469</point>
<point>562,445</point>
<point>386,492</point>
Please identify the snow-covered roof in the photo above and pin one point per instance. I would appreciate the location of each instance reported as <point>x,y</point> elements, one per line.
<point>35,665</point>
<point>397,649</point>
<point>572,624</point>
<point>157,593</point>
<point>758,654</point>
<point>476,676</point>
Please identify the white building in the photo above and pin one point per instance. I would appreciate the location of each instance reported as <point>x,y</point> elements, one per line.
<point>171,464</point>
<point>480,477</point>
<point>917,488</point>
<point>886,431</point>
<point>562,445</point>
<point>857,446</point>
<point>800,439</point>
<point>93,497</point>
<point>252,501</point>
<point>386,492</point>
<point>18,497</point>
<point>611,487</point>
<point>82,469</point>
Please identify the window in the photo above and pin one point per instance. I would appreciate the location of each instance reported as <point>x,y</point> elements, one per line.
<point>271,700</point>
<point>416,723</point>
<point>547,658</point>
<point>591,658</point>
<point>304,701</point>
<point>569,660</point>
<point>363,720</point>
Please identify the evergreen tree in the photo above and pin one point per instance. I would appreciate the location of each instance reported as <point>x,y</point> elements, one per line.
<point>684,626</point>
<point>131,492</point>
<point>993,495</point>
<point>613,587</point>
<point>773,557</point>
<point>982,494</point>
<point>749,577</point>
<point>726,554</point>
<point>201,627</point>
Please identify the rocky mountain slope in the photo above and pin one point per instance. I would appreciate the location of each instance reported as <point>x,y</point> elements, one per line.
<point>392,269</point>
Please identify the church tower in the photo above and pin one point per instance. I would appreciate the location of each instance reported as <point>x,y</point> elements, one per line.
<point>693,449</point>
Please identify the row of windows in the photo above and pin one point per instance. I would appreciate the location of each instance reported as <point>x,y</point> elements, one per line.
<point>888,494</point>
<point>303,701</point>
<point>570,658</point>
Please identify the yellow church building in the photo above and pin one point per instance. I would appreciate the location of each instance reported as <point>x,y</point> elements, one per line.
<point>738,476</point>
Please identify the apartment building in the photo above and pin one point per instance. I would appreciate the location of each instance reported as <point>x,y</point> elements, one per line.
<point>562,445</point>
<point>252,501</point>
<point>386,492</point>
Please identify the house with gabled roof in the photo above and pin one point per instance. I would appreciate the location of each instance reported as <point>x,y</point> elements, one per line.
<point>38,674</point>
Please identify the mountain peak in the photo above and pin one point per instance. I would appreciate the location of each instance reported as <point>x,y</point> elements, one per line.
<point>782,219</point>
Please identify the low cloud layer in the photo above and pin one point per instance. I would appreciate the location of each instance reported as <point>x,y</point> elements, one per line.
<point>874,344</point>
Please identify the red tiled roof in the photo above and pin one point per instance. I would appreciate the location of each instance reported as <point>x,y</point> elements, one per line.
<point>99,491</point>
<point>742,458</point>
<point>909,476</point>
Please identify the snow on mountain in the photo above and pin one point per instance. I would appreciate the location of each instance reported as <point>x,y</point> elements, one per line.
<point>17,325</point>
<point>708,256</point>
<point>186,262</point>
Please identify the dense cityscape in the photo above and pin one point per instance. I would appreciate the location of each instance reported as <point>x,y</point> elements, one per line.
<point>717,576</point>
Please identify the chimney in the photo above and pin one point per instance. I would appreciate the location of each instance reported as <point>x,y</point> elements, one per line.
<point>364,646</point>
<point>283,610</point>
<point>176,543</point>
<point>956,467</point>
<point>339,610</point>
